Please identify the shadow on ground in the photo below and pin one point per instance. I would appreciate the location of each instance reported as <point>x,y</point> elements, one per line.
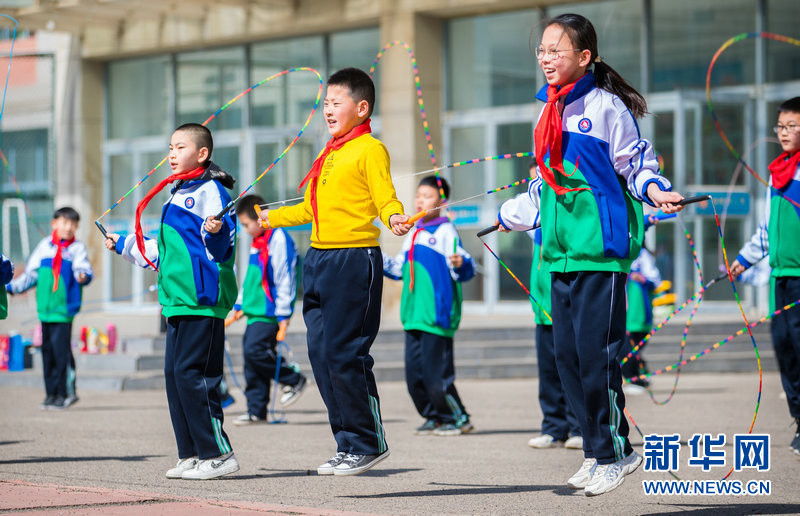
<point>45,460</point>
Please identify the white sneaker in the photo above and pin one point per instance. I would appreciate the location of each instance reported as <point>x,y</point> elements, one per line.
<point>248,419</point>
<point>582,477</point>
<point>609,476</point>
<point>327,468</point>
<point>181,466</point>
<point>631,389</point>
<point>574,443</point>
<point>212,468</point>
<point>545,441</point>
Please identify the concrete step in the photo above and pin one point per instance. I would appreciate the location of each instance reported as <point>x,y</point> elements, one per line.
<point>479,353</point>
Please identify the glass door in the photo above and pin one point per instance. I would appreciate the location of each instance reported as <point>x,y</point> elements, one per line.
<point>696,160</point>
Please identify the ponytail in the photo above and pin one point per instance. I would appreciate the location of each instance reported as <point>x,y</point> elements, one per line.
<point>583,36</point>
<point>608,79</point>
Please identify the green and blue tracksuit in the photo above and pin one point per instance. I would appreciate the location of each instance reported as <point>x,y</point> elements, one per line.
<point>56,309</point>
<point>268,294</point>
<point>590,237</point>
<point>430,309</point>
<point>776,236</point>
<point>6,273</point>
<point>197,288</point>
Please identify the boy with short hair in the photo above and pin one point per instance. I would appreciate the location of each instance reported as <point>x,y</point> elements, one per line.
<point>59,268</point>
<point>432,264</point>
<point>194,255</point>
<point>349,186</point>
<point>268,294</point>
<point>776,236</point>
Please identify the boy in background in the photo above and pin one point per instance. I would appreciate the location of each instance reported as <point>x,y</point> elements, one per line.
<point>268,294</point>
<point>59,268</point>
<point>776,236</point>
<point>432,264</point>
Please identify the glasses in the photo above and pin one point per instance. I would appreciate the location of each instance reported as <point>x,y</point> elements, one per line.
<point>791,128</point>
<point>552,54</point>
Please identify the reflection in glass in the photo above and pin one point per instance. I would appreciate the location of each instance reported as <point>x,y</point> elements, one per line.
<point>138,97</point>
<point>206,81</point>
<point>490,62</point>
<point>686,33</point>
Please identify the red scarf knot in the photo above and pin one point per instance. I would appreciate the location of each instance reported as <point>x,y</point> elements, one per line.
<point>262,244</point>
<point>333,144</point>
<point>60,246</point>
<point>181,176</point>
<point>547,136</point>
<point>783,169</point>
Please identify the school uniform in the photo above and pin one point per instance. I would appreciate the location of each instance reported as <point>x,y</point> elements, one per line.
<point>6,274</point>
<point>343,284</point>
<point>58,300</point>
<point>776,236</point>
<point>430,310</point>
<point>591,234</point>
<point>196,288</point>
<point>268,295</point>
<point>639,316</point>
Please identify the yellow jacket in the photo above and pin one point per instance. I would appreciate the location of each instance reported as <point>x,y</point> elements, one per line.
<point>354,187</point>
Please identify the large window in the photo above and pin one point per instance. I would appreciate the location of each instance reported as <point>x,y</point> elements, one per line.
<point>490,62</point>
<point>138,97</point>
<point>26,154</point>
<point>686,33</point>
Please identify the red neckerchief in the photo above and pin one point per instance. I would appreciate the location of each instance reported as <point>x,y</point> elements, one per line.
<point>262,244</point>
<point>548,135</point>
<point>60,246</point>
<point>783,168</point>
<point>181,176</point>
<point>411,258</point>
<point>332,145</point>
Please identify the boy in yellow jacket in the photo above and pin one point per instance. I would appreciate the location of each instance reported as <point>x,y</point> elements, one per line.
<point>349,185</point>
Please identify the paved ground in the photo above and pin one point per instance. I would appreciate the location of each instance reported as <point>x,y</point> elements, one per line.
<point>108,454</point>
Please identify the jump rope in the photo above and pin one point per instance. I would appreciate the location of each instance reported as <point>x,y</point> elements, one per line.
<point>698,296</point>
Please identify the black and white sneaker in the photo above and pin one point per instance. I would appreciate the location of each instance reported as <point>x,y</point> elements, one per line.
<point>291,393</point>
<point>71,400</point>
<point>327,468</point>
<point>355,464</point>
<point>47,402</point>
<point>58,403</point>
<point>795,446</point>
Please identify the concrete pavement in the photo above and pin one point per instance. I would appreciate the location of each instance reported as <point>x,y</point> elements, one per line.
<point>108,454</point>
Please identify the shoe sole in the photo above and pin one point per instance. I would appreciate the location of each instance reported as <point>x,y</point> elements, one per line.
<point>551,444</point>
<point>222,471</point>
<point>236,422</point>
<point>325,471</point>
<point>356,471</point>
<point>423,432</point>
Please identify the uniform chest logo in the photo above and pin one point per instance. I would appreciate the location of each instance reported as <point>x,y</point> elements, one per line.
<point>585,125</point>
<point>432,241</point>
<point>189,202</point>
